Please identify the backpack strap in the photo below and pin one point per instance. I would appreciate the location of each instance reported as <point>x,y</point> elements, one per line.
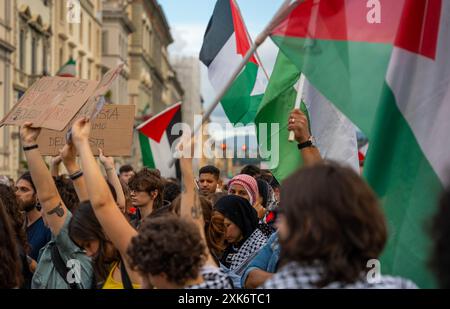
<point>126,282</point>
<point>60,266</point>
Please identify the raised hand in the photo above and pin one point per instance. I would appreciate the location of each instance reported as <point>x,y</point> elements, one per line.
<point>108,162</point>
<point>298,122</point>
<point>81,129</point>
<point>29,135</point>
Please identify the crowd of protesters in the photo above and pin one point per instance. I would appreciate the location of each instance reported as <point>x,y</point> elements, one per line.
<point>130,229</point>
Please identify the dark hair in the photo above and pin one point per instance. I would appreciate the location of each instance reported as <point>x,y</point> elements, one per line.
<point>335,219</point>
<point>214,197</point>
<point>27,176</point>
<point>210,169</point>
<point>251,170</point>
<point>168,245</point>
<point>263,189</point>
<point>84,226</point>
<point>67,192</point>
<point>171,191</point>
<point>270,178</point>
<point>10,269</point>
<point>126,168</point>
<point>440,233</point>
<point>11,205</point>
<point>148,180</point>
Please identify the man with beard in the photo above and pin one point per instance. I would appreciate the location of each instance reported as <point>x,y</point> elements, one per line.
<point>37,233</point>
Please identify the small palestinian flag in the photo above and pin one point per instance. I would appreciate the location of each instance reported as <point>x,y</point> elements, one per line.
<point>157,141</point>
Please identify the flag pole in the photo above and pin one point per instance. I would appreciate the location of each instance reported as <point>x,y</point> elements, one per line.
<point>298,101</point>
<point>280,15</point>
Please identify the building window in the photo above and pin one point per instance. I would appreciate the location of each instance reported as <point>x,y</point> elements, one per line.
<point>62,10</point>
<point>44,56</point>
<point>22,50</point>
<point>89,35</point>
<point>81,28</point>
<point>104,42</point>
<point>33,56</point>
<point>61,56</point>
<point>80,66</point>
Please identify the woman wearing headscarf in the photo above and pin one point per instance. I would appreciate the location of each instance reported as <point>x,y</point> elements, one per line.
<point>243,238</point>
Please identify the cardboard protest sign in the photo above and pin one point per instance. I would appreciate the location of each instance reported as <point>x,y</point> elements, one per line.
<point>51,102</point>
<point>111,131</point>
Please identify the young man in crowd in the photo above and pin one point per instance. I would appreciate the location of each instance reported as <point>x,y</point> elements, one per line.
<point>146,193</point>
<point>209,179</point>
<point>38,235</point>
<point>126,172</point>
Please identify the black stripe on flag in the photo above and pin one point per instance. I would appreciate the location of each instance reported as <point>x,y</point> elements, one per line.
<point>219,30</point>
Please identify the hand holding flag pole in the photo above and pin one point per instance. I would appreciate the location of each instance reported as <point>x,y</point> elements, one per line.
<point>298,101</point>
<point>280,15</point>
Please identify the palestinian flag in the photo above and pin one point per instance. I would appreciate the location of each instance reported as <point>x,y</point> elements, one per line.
<point>224,46</point>
<point>335,135</point>
<point>392,79</point>
<point>156,140</point>
<point>68,70</point>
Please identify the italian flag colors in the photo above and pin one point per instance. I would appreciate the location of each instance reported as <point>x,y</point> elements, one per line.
<point>69,69</point>
<point>392,79</point>
<point>224,46</point>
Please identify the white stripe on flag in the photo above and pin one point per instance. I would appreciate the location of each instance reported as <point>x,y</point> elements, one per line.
<point>162,156</point>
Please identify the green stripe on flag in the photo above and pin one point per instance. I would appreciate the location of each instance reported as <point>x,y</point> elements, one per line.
<point>147,156</point>
<point>277,104</point>
<point>399,172</point>
<point>238,104</point>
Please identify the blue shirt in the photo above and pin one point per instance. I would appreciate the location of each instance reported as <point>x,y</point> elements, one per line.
<point>266,260</point>
<point>47,277</point>
<point>38,235</point>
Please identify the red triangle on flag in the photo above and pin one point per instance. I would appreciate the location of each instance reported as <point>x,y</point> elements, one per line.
<point>155,127</point>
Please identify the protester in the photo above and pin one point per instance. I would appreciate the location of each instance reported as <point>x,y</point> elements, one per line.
<point>67,192</point>
<point>243,237</point>
<point>122,234</point>
<point>329,231</point>
<point>50,272</point>
<point>10,269</point>
<point>264,265</point>
<point>17,219</point>
<point>440,233</point>
<point>126,172</point>
<point>171,190</point>
<point>251,170</point>
<point>113,179</point>
<point>209,179</point>
<point>146,193</point>
<point>244,186</point>
<point>38,235</point>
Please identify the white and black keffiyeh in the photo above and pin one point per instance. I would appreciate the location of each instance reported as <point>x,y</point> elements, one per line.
<point>248,249</point>
<point>214,279</point>
<point>295,276</point>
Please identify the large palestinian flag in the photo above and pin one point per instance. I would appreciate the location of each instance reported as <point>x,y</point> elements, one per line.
<point>157,141</point>
<point>392,79</point>
<point>225,44</point>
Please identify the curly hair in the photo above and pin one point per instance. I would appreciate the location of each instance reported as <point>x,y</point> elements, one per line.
<point>11,205</point>
<point>67,192</point>
<point>10,268</point>
<point>148,180</point>
<point>168,245</point>
<point>335,219</point>
<point>440,233</point>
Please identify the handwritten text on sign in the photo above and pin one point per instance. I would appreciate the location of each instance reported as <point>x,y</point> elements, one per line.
<point>112,131</point>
